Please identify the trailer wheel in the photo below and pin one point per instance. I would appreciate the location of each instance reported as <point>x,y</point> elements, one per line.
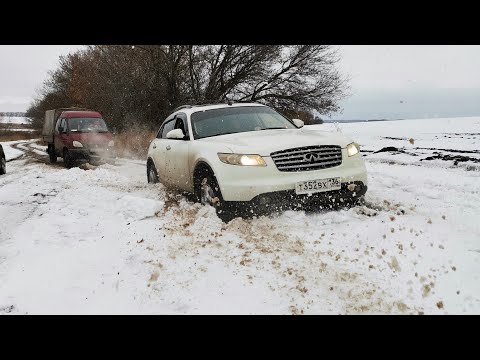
<point>51,153</point>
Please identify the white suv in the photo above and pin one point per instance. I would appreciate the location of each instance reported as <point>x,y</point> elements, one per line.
<point>249,154</point>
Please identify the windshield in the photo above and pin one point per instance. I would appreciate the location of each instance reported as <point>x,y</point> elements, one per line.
<point>236,120</point>
<point>87,125</point>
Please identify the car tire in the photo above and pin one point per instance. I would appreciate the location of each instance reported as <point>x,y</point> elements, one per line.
<point>52,155</point>
<point>3,166</point>
<point>152,174</point>
<point>357,201</point>
<point>348,203</point>
<point>67,160</point>
<point>208,193</point>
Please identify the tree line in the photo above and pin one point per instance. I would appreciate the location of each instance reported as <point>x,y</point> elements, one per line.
<point>139,85</point>
<point>12,114</point>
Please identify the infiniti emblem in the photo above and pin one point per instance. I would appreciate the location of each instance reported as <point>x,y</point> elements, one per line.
<point>311,157</point>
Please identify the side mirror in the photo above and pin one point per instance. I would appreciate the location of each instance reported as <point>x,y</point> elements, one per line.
<point>175,134</point>
<point>298,122</point>
<point>61,129</point>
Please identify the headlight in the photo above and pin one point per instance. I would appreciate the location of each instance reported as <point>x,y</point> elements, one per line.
<point>240,159</point>
<point>111,143</point>
<point>77,144</point>
<point>353,149</point>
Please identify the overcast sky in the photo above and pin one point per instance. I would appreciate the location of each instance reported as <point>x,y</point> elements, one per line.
<point>408,66</point>
<point>23,68</point>
<point>388,81</point>
<point>411,81</point>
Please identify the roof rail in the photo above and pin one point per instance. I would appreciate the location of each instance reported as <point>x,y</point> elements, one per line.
<point>182,107</point>
<point>210,104</point>
<point>246,102</point>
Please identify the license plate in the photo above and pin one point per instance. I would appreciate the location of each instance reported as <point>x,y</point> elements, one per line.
<point>314,186</point>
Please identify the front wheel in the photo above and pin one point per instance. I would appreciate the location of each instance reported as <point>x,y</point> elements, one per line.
<point>3,166</point>
<point>356,201</point>
<point>208,193</point>
<point>67,160</point>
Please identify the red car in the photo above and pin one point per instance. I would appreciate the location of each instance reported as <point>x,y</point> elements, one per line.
<point>77,135</point>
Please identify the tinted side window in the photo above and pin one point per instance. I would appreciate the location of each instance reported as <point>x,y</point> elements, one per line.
<point>167,127</point>
<point>160,132</point>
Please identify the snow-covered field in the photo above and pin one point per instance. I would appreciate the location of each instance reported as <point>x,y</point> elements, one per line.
<point>21,130</point>
<point>104,241</point>
<point>14,120</point>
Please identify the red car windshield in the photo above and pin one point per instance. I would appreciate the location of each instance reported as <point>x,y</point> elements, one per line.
<point>87,125</point>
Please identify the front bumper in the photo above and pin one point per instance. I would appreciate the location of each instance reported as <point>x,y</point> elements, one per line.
<point>92,155</point>
<point>244,183</point>
<point>289,199</point>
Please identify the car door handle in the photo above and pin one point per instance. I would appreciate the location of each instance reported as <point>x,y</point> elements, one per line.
<point>154,146</point>
<point>168,147</point>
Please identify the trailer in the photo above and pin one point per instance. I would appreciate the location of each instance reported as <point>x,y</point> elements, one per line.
<point>51,117</point>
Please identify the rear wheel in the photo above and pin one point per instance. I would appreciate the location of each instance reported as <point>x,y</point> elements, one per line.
<point>52,155</point>
<point>152,175</point>
<point>3,166</point>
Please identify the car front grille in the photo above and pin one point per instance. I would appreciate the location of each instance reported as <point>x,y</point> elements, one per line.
<point>308,158</point>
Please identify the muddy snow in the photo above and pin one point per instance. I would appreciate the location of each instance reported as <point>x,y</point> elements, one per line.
<point>103,241</point>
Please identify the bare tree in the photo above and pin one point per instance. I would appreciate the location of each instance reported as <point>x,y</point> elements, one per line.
<point>141,84</point>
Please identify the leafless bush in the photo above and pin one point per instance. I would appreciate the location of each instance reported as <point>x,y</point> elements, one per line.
<point>11,135</point>
<point>133,144</point>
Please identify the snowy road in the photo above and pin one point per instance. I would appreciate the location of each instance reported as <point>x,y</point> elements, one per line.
<point>104,241</point>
